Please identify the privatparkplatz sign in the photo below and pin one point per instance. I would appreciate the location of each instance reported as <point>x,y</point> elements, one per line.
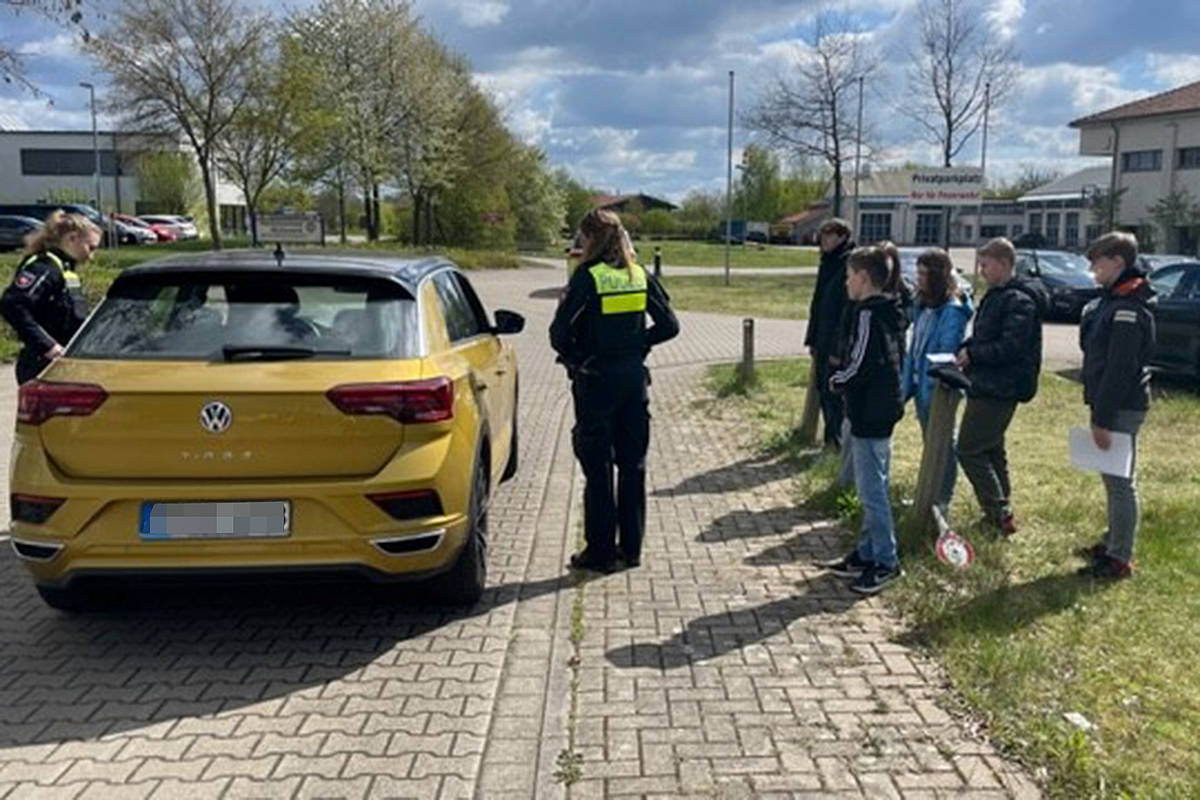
<point>946,186</point>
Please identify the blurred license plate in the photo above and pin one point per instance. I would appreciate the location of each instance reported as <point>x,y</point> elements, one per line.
<point>226,520</point>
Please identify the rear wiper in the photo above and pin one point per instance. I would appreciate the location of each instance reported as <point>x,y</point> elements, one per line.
<point>272,352</point>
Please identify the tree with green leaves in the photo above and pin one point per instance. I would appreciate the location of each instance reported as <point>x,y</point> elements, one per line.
<point>700,212</point>
<point>534,197</point>
<point>166,182</point>
<point>184,68</point>
<point>1177,216</point>
<point>577,197</point>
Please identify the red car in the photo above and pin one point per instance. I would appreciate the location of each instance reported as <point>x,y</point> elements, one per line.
<point>164,232</point>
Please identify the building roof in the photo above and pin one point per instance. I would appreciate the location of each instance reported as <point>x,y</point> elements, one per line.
<point>1174,101</point>
<point>610,200</point>
<point>811,214</point>
<point>1070,187</point>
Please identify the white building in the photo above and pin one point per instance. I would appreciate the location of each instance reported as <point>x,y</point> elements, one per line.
<point>1153,147</point>
<point>1062,211</point>
<point>41,166</point>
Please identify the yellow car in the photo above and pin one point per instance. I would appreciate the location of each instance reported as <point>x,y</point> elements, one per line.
<point>224,414</point>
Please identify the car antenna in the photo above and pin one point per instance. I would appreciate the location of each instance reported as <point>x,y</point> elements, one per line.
<point>279,254</point>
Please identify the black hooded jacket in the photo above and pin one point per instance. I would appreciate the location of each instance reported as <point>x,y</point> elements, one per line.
<point>869,375</point>
<point>1005,347</point>
<point>1117,336</point>
<point>828,301</point>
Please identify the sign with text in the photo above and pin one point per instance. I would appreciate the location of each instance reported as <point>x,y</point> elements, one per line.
<point>946,186</point>
<point>291,228</point>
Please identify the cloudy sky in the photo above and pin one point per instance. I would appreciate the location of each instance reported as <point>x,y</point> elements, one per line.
<point>631,95</point>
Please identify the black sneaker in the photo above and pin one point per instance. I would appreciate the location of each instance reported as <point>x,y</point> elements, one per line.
<point>1107,568</point>
<point>848,566</point>
<point>586,560</point>
<point>874,579</point>
<point>631,561</point>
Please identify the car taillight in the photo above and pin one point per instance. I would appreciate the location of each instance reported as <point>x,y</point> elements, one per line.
<point>409,505</point>
<point>410,401</point>
<point>35,510</point>
<point>38,401</point>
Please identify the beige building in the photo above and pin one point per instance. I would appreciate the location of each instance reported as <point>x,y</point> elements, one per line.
<point>1153,146</point>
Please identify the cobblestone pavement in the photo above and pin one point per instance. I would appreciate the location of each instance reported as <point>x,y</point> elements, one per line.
<point>723,667</point>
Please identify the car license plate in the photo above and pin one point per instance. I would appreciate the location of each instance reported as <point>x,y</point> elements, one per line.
<point>216,520</point>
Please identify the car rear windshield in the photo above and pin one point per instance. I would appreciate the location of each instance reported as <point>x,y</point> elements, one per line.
<point>199,316</point>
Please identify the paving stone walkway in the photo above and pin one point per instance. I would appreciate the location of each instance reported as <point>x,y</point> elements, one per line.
<point>724,667</point>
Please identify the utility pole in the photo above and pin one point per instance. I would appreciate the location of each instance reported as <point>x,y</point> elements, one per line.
<point>987,102</point>
<point>96,152</point>
<point>729,181</point>
<point>855,223</point>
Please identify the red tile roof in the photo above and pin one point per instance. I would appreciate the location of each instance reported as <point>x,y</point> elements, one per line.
<point>1183,98</point>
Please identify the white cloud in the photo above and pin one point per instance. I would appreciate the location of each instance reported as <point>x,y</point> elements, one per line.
<point>1006,15</point>
<point>480,13</point>
<point>35,114</point>
<point>1174,69</point>
<point>63,45</point>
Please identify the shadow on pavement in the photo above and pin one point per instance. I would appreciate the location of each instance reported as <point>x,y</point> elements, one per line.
<point>198,650</point>
<point>743,524</point>
<point>551,293</point>
<point>739,476</point>
<point>718,634</point>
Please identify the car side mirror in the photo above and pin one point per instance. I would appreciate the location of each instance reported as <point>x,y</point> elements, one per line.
<point>508,322</point>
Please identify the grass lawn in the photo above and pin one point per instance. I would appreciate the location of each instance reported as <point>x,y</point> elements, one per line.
<point>783,297</point>
<point>107,264</point>
<point>1024,639</point>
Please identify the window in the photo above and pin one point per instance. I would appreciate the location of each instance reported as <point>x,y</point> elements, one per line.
<point>468,293</point>
<point>1052,227</point>
<point>1071,235</point>
<point>1166,281</point>
<point>1141,161</point>
<point>1187,158</point>
<point>1035,223</point>
<point>1016,231</point>
<point>461,322</point>
<point>929,228</point>
<point>67,162</point>
<point>875,227</point>
<point>967,231</point>
<point>992,231</point>
<point>202,316</point>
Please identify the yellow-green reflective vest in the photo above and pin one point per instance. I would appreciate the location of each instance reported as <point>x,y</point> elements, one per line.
<point>621,291</point>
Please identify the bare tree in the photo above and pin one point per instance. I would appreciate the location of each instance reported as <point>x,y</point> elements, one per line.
<point>957,57</point>
<point>261,143</point>
<point>811,111</point>
<point>184,67</point>
<point>67,12</point>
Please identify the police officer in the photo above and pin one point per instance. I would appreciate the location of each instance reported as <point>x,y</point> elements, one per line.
<point>600,334</point>
<point>45,303</point>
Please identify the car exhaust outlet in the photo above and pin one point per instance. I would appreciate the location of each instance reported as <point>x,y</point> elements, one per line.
<point>35,551</point>
<point>407,545</point>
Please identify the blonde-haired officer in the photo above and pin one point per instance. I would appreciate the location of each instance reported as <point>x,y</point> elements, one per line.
<point>45,303</point>
<point>600,334</point>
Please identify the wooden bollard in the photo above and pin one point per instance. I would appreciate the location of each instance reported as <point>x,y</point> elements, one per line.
<point>806,431</point>
<point>934,455</point>
<point>747,366</point>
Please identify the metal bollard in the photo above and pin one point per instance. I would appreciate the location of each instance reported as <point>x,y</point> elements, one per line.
<point>657,263</point>
<point>747,366</point>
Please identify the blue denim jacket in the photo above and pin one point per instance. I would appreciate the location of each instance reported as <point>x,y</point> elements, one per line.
<point>934,330</point>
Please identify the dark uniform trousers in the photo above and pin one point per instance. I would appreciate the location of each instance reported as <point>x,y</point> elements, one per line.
<point>612,428</point>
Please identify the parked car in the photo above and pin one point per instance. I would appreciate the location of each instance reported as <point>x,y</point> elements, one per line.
<point>1153,261</point>
<point>186,226</point>
<point>1066,277</point>
<point>164,222</point>
<point>161,232</point>
<point>1177,318</point>
<point>40,211</point>
<point>14,229</point>
<point>1030,239</point>
<point>129,233</point>
<point>225,416</point>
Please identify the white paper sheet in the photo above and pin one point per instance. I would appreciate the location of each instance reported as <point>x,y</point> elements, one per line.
<point>1116,460</point>
<point>940,358</point>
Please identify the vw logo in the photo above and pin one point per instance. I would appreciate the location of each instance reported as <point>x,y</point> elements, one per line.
<point>216,417</point>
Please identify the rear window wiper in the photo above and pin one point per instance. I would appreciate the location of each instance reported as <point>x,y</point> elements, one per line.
<point>270,352</point>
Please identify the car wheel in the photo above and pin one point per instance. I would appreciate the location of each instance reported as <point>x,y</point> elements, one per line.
<point>463,585</point>
<point>510,469</point>
<point>64,599</point>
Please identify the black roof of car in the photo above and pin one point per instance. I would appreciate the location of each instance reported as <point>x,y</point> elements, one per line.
<point>406,271</point>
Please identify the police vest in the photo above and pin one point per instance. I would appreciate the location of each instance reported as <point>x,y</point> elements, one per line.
<point>621,291</point>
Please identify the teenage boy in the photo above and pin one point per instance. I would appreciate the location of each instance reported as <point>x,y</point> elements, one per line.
<point>1002,358</point>
<point>1117,337</point>
<point>869,382</point>
<point>824,318</point>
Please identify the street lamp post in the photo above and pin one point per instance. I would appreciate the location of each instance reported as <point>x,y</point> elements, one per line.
<point>95,145</point>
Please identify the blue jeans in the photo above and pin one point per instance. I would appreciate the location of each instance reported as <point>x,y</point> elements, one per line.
<point>872,461</point>
<point>1124,507</point>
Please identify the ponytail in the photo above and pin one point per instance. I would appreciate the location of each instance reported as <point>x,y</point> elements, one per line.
<point>607,239</point>
<point>58,226</point>
<point>894,276</point>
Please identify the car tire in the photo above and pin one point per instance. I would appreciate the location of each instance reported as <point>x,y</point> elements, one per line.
<point>463,585</point>
<point>69,600</point>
